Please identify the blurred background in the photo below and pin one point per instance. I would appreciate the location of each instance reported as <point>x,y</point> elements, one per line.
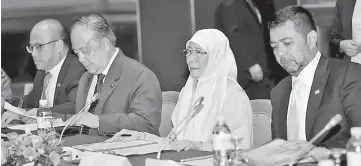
<point>151,31</point>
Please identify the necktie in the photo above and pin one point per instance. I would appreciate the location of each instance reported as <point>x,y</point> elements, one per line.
<point>293,112</point>
<point>45,93</point>
<point>356,28</point>
<point>85,129</point>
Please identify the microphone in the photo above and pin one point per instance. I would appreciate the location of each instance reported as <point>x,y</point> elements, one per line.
<point>94,98</point>
<point>332,123</point>
<point>172,133</point>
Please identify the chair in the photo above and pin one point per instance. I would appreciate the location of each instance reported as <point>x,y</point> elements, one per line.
<point>262,118</point>
<point>170,99</point>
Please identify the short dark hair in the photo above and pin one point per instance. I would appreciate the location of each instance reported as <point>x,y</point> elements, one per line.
<point>301,17</point>
<point>98,24</point>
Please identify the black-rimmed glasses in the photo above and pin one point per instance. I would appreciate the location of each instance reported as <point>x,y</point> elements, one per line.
<point>30,48</point>
<point>196,52</point>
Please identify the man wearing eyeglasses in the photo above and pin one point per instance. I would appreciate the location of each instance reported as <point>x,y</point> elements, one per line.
<point>129,93</point>
<point>58,72</point>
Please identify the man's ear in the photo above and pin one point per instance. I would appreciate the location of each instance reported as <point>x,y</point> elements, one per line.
<point>59,45</point>
<point>105,43</point>
<point>312,39</point>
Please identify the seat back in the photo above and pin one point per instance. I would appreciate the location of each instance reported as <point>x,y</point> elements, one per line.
<point>262,118</point>
<point>170,99</point>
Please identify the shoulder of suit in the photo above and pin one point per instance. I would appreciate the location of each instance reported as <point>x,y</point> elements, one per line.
<point>131,65</point>
<point>75,63</point>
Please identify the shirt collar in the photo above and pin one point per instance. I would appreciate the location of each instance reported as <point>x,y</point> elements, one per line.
<point>105,72</point>
<point>307,74</point>
<point>56,69</point>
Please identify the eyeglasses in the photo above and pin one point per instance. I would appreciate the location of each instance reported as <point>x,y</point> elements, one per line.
<point>85,49</point>
<point>30,48</point>
<point>196,52</point>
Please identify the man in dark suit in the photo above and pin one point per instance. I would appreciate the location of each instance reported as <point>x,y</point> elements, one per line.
<point>129,93</point>
<point>244,22</point>
<point>343,42</point>
<point>317,89</point>
<point>58,72</point>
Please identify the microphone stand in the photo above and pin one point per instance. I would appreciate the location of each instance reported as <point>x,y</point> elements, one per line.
<point>332,123</point>
<point>94,98</point>
<point>198,102</point>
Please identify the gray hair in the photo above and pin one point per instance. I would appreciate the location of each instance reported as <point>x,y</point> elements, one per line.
<point>98,24</point>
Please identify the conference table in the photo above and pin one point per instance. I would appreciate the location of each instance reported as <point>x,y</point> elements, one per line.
<point>135,160</point>
<point>139,160</point>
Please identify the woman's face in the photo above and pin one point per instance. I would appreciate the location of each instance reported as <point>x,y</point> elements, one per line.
<point>196,58</point>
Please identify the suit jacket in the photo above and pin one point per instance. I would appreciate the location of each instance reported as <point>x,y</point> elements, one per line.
<point>66,88</point>
<point>130,98</point>
<point>341,26</point>
<point>249,41</point>
<point>339,84</point>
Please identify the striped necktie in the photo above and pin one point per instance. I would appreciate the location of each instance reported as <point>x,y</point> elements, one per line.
<point>85,129</point>
<point>45,93</point>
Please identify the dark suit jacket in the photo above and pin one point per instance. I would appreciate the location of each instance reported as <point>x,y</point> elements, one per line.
<point>249,41</point>
<point>339,83</point>
<point>66,88</point>
<point>341,26</point>
<point>130,98</point>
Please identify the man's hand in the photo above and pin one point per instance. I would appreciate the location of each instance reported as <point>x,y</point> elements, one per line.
<point>129,135</point>
<point>7,117</point>
<point>319,153</point>
<point>256,72</point>
<point>28,120</point>
<point>295,148</point>
<point>86,119</point>
<point>351,47</point>
<point>185,145</point>
<point>32,112</point>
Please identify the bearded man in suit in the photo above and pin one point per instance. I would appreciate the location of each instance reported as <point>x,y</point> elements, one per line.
<point>317,89</point>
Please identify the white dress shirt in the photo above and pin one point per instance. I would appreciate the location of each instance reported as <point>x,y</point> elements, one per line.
<point>301,94</point>
<point>356,29</point>
<point>95,78</point>
<point>50,91</point>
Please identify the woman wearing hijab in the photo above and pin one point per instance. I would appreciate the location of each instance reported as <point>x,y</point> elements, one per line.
<point>213,73</point>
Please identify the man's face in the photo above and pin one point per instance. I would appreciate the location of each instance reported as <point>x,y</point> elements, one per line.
<point>92,54</point>
<point>290,48</point>
<point>44,52</point>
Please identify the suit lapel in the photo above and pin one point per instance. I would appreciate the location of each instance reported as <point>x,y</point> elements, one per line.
<point>39,91</point>
<point>111,82</point>
<point>316,94</point>
<point>284,101</point>
<point>63,71</point>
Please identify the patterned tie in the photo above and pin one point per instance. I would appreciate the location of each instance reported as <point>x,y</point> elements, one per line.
<point>85,129</point>
<point>47,79</point>
<point>292,118</point>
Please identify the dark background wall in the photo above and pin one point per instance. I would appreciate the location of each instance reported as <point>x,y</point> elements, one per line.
<point>165,28</point>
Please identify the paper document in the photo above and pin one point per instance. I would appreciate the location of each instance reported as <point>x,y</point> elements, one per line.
<point>16,110</point>
<point>199,161</point>
<point>33,126</point>
<point>125,148</point>
<point>274,153</point>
